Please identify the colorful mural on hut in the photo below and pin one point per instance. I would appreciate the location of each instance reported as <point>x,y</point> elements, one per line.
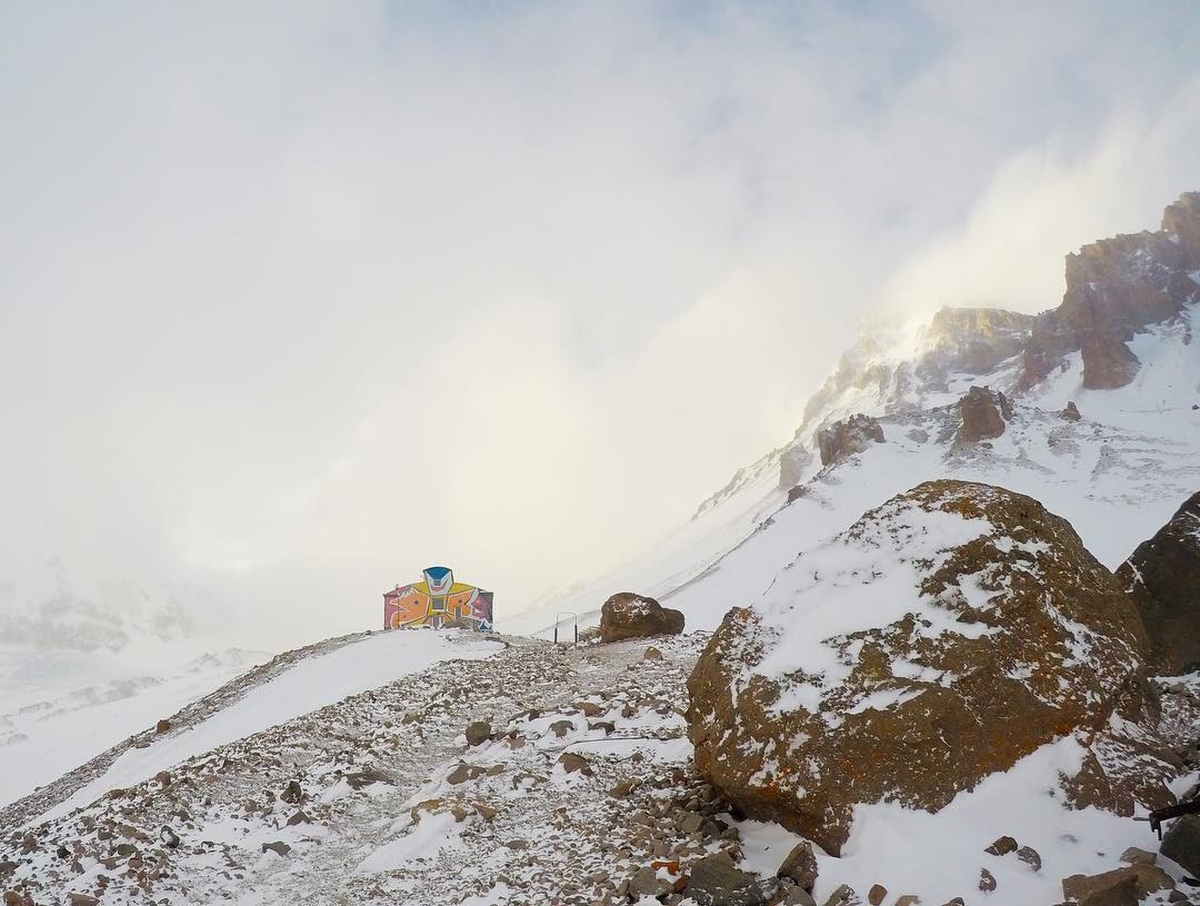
<point>436,601</point>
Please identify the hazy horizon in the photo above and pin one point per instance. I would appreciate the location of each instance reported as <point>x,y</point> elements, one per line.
<point>299,299</point>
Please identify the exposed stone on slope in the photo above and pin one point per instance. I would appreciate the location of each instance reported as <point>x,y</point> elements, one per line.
<point>1163,578</point>
<point>973,652</point>
<point>845,438</point>
<point>1115,288</point>
<point>1182,843</point>
<point>1070,412</point>
<point>971,340</point>
<point>628,615</point>
<point>984,413</point>
<point>794,459</point>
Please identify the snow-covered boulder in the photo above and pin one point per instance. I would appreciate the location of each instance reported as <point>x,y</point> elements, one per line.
<point>1163,577</point>
<point>939,639</point>
<point>628,615</point>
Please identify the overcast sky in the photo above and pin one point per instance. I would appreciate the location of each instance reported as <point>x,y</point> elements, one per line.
<point>298,298</point>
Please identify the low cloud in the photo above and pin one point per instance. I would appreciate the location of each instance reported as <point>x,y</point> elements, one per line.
<point>297,299</point>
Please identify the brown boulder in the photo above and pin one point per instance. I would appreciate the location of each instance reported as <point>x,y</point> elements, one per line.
<point>632,616</point>
<point>1128,885</point>
<point>941,638</point>
<point>847,437</point>
<point>984,413</point>
<point>1163,578</point>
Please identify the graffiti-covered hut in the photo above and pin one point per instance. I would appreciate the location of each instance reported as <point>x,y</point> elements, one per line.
<point>435,601</point>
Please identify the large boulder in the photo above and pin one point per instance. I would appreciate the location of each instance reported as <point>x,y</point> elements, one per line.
<point>628,615</point>
<point>984,413</point>
<point>1163,578</point>
<point>847,437</point>
<point>939,639</point>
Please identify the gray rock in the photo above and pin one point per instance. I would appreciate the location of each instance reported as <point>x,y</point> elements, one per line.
<point>561,728</point>
<point>1181,843</point>
<point>987,882</point>
<point>278,847</point>
<point>800,866</point>
<point>716,881</point>
<point>792,894</point>
<point>478,732</point>
<point>644,883</point>
<point>1030,857</point>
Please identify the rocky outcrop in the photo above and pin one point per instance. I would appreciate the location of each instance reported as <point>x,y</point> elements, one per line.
<point>971,340</point>
<point>628,615</point>
<point>1163,578</point>
<point>1070,412</point>
<point>942,637</point>
<point>1115,288</point>
<point>847,437</point>
<point>984,413</point>
<point>793,462</point>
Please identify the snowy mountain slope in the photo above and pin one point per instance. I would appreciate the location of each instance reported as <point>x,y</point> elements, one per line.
<point>291,685</point>
<point>378,798</point>
<point>581,791</point>
<point>1130,307</point>
<point>53,719</point>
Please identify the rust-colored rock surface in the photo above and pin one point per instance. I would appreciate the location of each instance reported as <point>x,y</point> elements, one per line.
<point>942,637</point>
<point>628,615</point>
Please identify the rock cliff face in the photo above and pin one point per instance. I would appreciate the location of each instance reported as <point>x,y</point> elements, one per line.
<point>971,340</point>
<point>845,438</point>
<point>941,638</point>
<point>1163,578</point>
<point>1115,288</point>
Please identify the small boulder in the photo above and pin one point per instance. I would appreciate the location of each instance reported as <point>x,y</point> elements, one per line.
<point>1070,413</point>
<point>800,866</point>
<point>575,764</point>
<point>716,881</point>
<point>876,894</point>
<point>464,772</point>
<point>652,654</point>
<point>846,438</point>
<point>628,615</point>
<point>162,726</point>
<point>1030,857</point>
<point>293,793</point>
<point>278,847</point>
<point>478,732</point>
<point>644,883</point>
<point>1002,846</point>
<point>1136,856</point>
<point>987,881</point>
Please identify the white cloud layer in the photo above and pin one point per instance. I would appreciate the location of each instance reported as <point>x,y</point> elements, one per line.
<point>297,298</point>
